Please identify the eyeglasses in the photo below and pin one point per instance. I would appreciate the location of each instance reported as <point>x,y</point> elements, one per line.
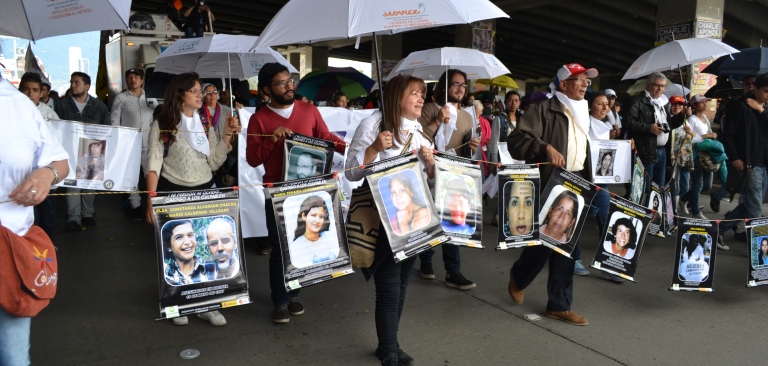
<point>459,85</point>
<point>580,80</point>
<point>562,211</point>
<point>215,92</point>
<point>194,91</point>
<point>284,83</point>
<point>659,85</point>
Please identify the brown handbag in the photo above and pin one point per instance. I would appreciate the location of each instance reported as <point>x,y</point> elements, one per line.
<point>29,272</point>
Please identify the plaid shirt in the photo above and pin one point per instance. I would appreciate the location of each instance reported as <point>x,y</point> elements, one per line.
<point>174,276</point>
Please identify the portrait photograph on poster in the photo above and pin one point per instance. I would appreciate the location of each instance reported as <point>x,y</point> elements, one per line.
<point>199,251</point>
<point>458,198</point>
<point>567,198</point>
<point>637,188</point>
<point>622,239</point>
<point>91,159</point>
<point>311,229</point>
<point>612,161</point>
<point>518,206</point>
<point>669,210</point>
<point>306,156</point>
<point>655,200</point>
<point>757,232</point>
<point>695,255</point>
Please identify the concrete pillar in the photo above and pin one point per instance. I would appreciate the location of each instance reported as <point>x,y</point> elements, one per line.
<point>316,58</point>
<point>295,59</point>
<point>390,52</point>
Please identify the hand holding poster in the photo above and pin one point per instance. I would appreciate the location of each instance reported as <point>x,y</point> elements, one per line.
<point>637,193</point>
<point>458,199</point>
<point>311,230</point>
<point>612,160</point>
<point>622,239</point>
<point>306,157</point>
<point>757,232</point>
<point>199,252</point>
<point>405,205</point>
<point>695,255</point>
<point>518,206</point>
<point>567,198</point>
<point>655,201</point>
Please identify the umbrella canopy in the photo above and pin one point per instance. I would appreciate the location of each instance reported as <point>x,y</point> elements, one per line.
<point>35,19</point>
<point>308,21</point>
<point>639,86</point>
<point>430,64</point>
<point>725,88</point>
<point>220,55</point>
<point>321,84</point>
<point>502,81</point>
<point>677,53</point>
<point>748,62</point>
<point>676,89</point>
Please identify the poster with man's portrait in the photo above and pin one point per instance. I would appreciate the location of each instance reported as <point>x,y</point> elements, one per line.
<point>618,252</point>
<point>311,229</point>
<point>458,198</point>
<point>566,198</point>
<point>757,234</point>
<point>406,209</point>
<point>518,206</point>
<point>611,161</point>
<point>695,255</point>
<point>656,203</point>
<point>200,257</point>
<point>306,157</point>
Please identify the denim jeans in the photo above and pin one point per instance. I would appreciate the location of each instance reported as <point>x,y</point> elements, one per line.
<point>658,170</point>
<point>193,33</point>
<point>700,181</point>
<point>14,340</point>
<point>391,283</point>
<point>683,181</point>
<point>279,294</point>
<point>751,205</point>
<point>451,259</point>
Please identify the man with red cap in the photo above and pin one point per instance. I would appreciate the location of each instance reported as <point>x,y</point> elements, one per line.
<point>553,131</point>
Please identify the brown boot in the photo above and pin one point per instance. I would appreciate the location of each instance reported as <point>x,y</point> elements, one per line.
<point>568,317</point>
<point>515,292</point>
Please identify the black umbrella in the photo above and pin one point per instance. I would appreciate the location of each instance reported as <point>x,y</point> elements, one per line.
<point>724,89</point>
<point>748,62</point>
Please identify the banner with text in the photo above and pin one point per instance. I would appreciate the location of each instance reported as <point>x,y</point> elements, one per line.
<point>695,255</point>
<point>655,200</point>
<point>458,198</point>
<point>566,198</point>
<point>757,232</point>
<point>639,182</point>
<point>306,157</point>
<point>518,206</point>
<point>612,160</point>
<point>622,241</point>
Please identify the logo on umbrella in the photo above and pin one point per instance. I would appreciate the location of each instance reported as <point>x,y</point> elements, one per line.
<point>188,46</point>
<point>396,13</point>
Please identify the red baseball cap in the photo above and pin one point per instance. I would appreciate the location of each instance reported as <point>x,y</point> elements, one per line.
<point>574,69</point>
<point>676,100</point>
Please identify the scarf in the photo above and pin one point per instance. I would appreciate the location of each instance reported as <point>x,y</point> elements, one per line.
<point>661,116</point>
<point>445,130</point>
<point>579,110</point>
<point>192,129</point>
<point>206,117</point>
<point>598,130</point>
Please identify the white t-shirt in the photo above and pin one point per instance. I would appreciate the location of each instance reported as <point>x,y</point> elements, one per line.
<point>24,150</point>
<point>305,253</point>
<point>47,111</point>
<point>699,128</point>
<point>285,113</point>
<point>80,106</point>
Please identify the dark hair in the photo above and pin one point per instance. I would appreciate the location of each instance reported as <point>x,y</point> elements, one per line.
<point>95,143</point>
<point>173,103</point>
<point>693,242</point>
<point>403,179</point>
<point>565,194</point>
<point>82,75</point>
<point>632,243</point>
<point>267,73</point>
<point>308,204</point>
<point>590,97</point>
<point>336,96</point>
<point>511,93</point>
<point>167,232</point>
<point>760,250</point>
<point>656,199</point>
<point>761,81</point>
<point>31,77</point>
<point>440,94</point>
<point>396,89</point>
<point>43,85</point>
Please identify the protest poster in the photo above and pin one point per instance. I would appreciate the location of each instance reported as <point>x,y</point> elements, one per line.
<point>567,198</point>
<point>200,252</point>
<point>668,217</point>
<point>654,203</point>
<point>405,205</point>
<point>695,255</point>
<point>622,239</point>
<point>101,157</point>
<point>637,188</point>
<point>757,232</point>
<point>518,206</point>
<point>612,160</point>
<point>311,230</point>
<point>306,156</point>
<point>459,200</point>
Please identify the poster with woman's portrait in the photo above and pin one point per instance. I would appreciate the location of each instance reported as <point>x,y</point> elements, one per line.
<point>566,200</point>
<point>622,239</point>
<point>611,161</point>
<point>200,252</point>
<point>404,202</point>
<point>639,182</point>
<point>656,203</point>
<point>91,159</point>
<point>458,199</point>
<point>306,156</point>
<point>669,211</point>
<point>311,229</point>
<point>518,206</point>
<point>695,255</point>
<point>757,233</point>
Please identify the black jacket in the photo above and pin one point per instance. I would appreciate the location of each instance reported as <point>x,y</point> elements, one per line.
<point>742,132</point>
<point>95,111</point>
<point>543,124</point>
<point>637,122</point>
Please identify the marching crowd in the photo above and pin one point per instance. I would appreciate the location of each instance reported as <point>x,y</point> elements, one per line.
<point>671,136</point>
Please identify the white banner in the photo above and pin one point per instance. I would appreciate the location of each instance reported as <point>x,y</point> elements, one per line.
<point>611,161</point>
<point>105,158</point>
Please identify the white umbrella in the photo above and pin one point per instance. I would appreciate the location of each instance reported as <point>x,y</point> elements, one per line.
<point>676,89</point>
<point>677,53</point>
<point>430,64</point>
<point>37,19</point>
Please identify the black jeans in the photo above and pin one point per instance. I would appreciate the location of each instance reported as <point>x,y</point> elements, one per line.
<point>560,282</point>
<point>391,283</point>
<point>279,294</point>
<point>451,259</point>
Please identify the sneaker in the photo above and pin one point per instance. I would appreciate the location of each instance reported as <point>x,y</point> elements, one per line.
<point>426,272</point>
<point>89,221</point>
<point>403,359</point>
<point>699,215</point>
<point>611,277</point>
<point>579,269</point>
<point>280,314</point>
<point>720,244</point>
<point>714,203</point>
<point>295,307</point>
<point>390,359</point>
<point>72,227</point>
<point>568,317</point>
<point>213,317</point>
<point>137,214</point>
<point>682,208</point>
<point>459,281</point>
<point>182,320</point>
